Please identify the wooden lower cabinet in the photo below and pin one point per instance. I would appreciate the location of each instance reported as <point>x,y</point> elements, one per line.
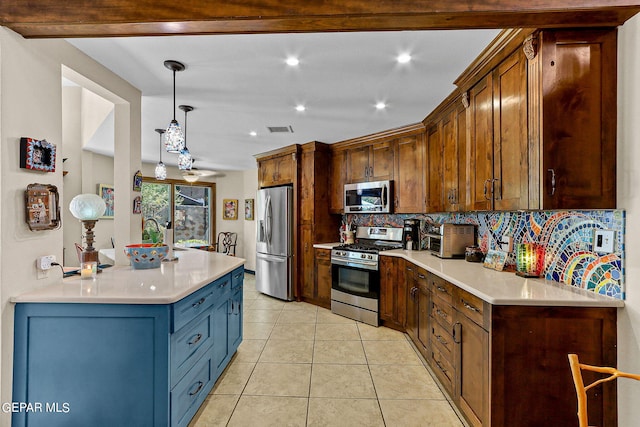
<point>506,365</point>
<point>322,289</point>
<point>418,301</point>
<point>393,293</point>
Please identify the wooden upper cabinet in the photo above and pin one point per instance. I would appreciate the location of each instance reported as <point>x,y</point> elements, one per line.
<point>409,174</point>
<point>510,145</point>
<point>276,171</point>
<point>371,162</point>
<point>577,90</point>
<point>337,181</point>
<point>434,161</point>
<point>454,139</point>
<point>499,149</point>
<point>480,161</point>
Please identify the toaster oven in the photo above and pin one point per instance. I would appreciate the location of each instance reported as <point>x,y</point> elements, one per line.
<point>450,240</point>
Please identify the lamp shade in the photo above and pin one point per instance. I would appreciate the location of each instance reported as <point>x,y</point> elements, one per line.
<point>174,137</point>
<point>87,207</point>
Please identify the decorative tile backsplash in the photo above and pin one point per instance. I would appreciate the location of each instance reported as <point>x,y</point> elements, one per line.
<point>566,235</point>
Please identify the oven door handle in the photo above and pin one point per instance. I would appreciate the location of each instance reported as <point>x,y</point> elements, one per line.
<point>362,265</point>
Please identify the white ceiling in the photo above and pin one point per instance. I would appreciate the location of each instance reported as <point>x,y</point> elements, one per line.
<point>240,83</point>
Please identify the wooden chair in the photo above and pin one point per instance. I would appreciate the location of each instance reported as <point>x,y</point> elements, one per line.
<point>226,243</point>
<point>581,389</point>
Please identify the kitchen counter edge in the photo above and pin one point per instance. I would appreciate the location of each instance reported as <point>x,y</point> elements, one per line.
<point>499,287</point>
<point>168,284</point>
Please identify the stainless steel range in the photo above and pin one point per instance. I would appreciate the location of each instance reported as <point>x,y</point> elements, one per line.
<point>355,273</point>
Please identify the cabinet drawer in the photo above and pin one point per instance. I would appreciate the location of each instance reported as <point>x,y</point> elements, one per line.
<point>191,306</point>
<point>443,369</point>
<point>189,344</point>
<point>191,391</point>
<point>324,254</point>
<point>237,277</point>
<point>442,313</point>
<point>442,339</point>
<point>422,279</point>
<point>440,288</point>
<point>472,307</point>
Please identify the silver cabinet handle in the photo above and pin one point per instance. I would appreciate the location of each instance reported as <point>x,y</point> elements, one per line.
<point>200,301</point>
<point>553,181</point>
<point>456,332</point>
<point>469,306</point>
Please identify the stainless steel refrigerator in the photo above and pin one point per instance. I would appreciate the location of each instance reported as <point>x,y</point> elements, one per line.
<point>274,243</point>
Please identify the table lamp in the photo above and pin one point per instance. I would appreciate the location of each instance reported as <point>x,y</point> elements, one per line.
<point>88,208</point>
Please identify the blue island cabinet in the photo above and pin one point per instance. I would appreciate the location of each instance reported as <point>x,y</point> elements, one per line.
<point>123,364</point>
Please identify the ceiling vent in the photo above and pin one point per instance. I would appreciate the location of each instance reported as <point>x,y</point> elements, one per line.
<point>280,129</point>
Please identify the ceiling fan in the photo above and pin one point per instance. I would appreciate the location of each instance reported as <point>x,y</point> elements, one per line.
<point>193,174</point>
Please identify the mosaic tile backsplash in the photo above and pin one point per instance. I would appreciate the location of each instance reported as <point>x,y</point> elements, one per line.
<point>566,235</point>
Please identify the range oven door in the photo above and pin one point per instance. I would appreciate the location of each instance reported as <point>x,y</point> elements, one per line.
<point>356,281</point>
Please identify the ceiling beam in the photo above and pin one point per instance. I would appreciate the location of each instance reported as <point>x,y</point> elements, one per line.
<point>99,18</point>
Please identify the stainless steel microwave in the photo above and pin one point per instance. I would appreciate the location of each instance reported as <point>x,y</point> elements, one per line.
<point>368,197</point>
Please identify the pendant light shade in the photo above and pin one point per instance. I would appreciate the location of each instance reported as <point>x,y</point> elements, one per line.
<point>185,161</point>
<point>161,169</point>
<point>174,135</point>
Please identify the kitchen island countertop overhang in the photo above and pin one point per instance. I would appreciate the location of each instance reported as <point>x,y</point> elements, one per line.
<point>167,284</point>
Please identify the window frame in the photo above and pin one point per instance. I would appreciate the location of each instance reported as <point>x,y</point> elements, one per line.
<point>172,194</point>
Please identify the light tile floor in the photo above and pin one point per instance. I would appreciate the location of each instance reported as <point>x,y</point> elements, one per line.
<point>301,365</point>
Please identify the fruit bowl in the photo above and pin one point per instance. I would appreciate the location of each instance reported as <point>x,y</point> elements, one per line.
<point>146,255</point>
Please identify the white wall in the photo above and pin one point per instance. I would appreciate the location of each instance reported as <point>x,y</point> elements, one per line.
<point>250,189</point>
<point>31,105</point>
<point>629,199</point>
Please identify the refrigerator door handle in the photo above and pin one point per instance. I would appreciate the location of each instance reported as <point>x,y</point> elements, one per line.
<point>271,258</point>
<point>269,219</point>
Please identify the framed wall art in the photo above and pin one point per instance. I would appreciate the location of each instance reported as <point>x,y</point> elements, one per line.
<point>137,205</point>
<point>37,155</point>
<point>248,209</point>
<point>42,204</point>
<point>230,209</point>
<point>106,192</point>
<point>137,181</point>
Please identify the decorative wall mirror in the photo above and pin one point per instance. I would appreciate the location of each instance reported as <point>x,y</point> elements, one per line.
<point>42,204</point>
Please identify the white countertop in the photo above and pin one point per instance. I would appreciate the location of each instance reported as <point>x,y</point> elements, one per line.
<point>124,285</point>
<point>499,287</point>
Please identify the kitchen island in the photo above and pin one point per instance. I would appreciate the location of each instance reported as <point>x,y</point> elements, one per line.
<point>132,347</point>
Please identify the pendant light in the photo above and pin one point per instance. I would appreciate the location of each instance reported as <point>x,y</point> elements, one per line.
<point>174,138</point>
<point>185,161</point>
<point>161,169</point>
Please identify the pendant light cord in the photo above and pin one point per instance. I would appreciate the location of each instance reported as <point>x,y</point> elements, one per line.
<point>174,94</point>
<point>185,130</point>
<point>160,147</point>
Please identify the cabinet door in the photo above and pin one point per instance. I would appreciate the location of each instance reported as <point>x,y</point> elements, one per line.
<point>423,297</point>
<point>285,169</point>
<point>449,163</point>
<point>480,113</point>
<point>323,277</point>
<point>235,321</point>
<point>358,164</point>
<point>381,161</point>
<point>387,280</point>
<point>412,301</point>
<point>220,347</point>
<point>434,168</point>
<point>510,145</point>
<point>472,370</point>
<point>306,262</point>
<point>267,173</point>
<point>579,119</point>
<point>307,199</point>
<point>409,174</point>
<point>337,180</point>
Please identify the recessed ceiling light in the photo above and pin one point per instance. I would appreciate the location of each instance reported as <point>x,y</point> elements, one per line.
<point>292,61</point>
<point>300,107</point>
<point>253,133</point>
<point>403,58</point>
<point>381,105</point>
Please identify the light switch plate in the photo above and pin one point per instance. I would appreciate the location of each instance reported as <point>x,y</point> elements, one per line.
<point>603,241</point>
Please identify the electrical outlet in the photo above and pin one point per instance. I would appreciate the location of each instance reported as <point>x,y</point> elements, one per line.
<point>506,244</point>
<point>604,241</point>
<point>45,262</point>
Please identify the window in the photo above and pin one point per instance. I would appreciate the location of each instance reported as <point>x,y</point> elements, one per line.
<point>192,211</point>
